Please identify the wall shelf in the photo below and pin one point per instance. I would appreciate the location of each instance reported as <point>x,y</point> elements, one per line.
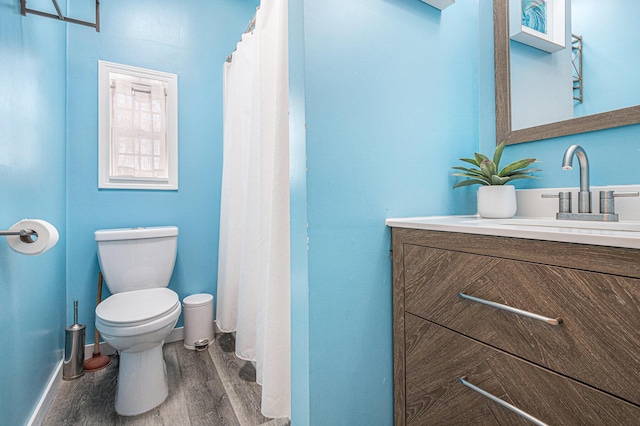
<point>439,4</point>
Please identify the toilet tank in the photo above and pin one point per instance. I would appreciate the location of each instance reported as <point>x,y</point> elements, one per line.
<point>137,258</point>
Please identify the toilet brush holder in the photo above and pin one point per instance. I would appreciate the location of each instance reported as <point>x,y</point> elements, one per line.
<point>73,365</point>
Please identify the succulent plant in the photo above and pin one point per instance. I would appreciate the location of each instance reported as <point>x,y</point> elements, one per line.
<point>488,172</point>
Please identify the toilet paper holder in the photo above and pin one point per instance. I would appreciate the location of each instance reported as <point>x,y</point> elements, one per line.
<point>31,236</point>
<point>26,235</point>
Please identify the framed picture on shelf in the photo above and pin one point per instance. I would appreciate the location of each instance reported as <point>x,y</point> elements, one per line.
<point>538,23</point>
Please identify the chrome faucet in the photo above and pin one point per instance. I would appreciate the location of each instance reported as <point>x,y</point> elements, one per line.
<point>607,210</point>
<point>584,196</point>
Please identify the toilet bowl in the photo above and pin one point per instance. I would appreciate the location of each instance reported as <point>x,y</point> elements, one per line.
<point>138,335</point>
<point>137,264</point>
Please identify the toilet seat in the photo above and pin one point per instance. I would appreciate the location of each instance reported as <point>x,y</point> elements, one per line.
<point>135,308</point>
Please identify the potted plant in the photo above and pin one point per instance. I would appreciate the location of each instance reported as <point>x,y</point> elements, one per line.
<point>496,199</point>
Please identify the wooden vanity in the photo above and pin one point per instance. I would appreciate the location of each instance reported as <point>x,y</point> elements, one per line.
<point>572,356</point>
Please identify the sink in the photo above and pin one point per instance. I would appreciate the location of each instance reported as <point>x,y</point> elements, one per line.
<point>627,226</point>
<point>548,228</point>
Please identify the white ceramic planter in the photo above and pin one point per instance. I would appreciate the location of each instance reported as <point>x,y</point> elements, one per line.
<point>497,201</point>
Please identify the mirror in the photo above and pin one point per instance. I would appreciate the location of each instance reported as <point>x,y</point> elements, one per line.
<point>504,130</point>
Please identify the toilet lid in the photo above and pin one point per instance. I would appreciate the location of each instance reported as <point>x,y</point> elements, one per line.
<point>136,306</point>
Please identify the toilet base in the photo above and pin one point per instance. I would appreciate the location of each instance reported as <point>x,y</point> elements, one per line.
<point>142,381</point>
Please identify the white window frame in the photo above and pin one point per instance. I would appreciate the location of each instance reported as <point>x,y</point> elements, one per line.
<point>106,73</point>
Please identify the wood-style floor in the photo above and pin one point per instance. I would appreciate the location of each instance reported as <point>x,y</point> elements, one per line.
<point>211,387</point>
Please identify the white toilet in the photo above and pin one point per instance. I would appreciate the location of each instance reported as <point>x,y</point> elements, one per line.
<point>137,264</point>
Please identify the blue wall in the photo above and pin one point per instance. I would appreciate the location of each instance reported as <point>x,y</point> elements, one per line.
<point>191,39</point>
<point>391,103</point>
<point>39,112</point>
<point>298,216</point>
<point>32,184</point>
<point>385,96</point>
<point>608,56</point>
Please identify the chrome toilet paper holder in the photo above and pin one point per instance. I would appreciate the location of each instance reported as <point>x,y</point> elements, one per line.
<point>26,235</point>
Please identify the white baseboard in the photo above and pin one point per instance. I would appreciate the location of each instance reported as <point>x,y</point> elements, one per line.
<point>37,417</point>
<point>176,335</point>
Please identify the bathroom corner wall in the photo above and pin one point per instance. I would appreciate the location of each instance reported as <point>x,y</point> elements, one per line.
<point>191,39</point>
<point>300,373</point>
<point>391,102</point>
<point>32,185</point>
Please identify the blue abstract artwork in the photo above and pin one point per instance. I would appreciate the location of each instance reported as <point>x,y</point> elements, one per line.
<point>534,15</point>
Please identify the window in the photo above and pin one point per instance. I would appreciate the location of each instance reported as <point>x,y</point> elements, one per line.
<point>138,131</point>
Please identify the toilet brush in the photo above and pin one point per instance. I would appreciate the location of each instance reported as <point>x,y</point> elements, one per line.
<point>97,361</point>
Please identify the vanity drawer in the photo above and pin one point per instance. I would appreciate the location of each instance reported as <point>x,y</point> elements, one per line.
<point>597,342</point>
<point>436,358</point>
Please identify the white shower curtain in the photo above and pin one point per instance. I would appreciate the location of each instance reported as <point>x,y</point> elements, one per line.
<point>253,263</point>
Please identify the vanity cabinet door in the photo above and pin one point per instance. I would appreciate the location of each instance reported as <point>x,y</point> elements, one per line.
<point>436,358</point>
<point>597,342</point>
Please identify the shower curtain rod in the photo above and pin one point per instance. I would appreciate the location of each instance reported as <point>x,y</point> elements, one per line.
<point>60,16</point>
<point>250,27</point>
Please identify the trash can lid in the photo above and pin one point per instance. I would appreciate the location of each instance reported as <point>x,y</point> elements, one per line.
<point>197,300</point>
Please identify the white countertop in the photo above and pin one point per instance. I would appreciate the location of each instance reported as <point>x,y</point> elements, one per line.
<point>626,234</point>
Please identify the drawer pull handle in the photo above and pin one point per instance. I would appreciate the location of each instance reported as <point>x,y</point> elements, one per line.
<point>502,402</point>
<point>552,321</point>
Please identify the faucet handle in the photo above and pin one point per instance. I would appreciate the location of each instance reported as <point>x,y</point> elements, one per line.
<point>607,204</point>
<point>626,194</point>
<point>564,200</point>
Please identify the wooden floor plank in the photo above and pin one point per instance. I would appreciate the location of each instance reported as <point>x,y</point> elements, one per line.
<point>238,378</point>
<point>203,389</point>
<point>173,411</point>
<point>208,388</point>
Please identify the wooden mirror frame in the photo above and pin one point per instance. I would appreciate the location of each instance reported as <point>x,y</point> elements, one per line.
<point>504,132</point>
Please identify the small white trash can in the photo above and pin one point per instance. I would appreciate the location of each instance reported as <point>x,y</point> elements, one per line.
<point>198,321</point>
